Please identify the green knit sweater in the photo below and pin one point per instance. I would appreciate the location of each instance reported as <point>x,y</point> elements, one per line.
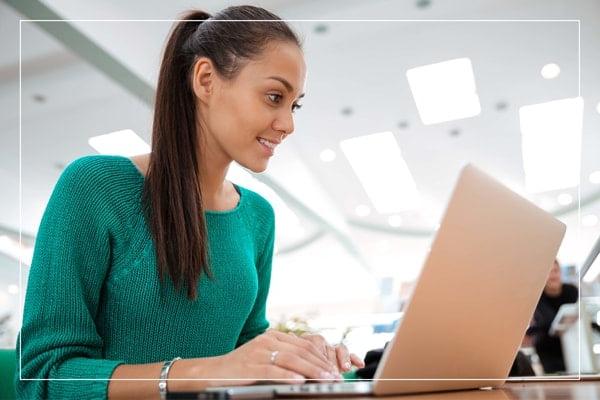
<point>93,297</point>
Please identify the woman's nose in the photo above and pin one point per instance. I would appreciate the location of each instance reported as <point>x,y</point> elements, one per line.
<point>284,123</point>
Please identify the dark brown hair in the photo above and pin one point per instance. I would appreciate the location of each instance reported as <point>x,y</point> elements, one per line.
<point>172,195</point>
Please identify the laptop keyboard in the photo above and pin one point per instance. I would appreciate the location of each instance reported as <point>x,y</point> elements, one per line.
<point>334,388</point>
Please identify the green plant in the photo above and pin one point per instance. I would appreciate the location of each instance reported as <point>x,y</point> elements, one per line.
<point>296,325</point>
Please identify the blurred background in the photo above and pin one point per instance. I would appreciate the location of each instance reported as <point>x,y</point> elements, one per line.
<point>393,110</point>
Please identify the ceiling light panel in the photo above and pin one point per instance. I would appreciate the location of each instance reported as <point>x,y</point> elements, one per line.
<point>378,163</point>
<point>444,91</point>
<point>124,143</point>
<point>551,144</point>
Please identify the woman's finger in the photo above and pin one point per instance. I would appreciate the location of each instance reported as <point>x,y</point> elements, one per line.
<point>301,352</point>
<point>297,364</point>
<point>304,344</point>
<point>318,340</point>
<point>332,357</point>
<point>343,357</point>
<point>279,374</point>
<point>356,360</point>
<point>321,344</point>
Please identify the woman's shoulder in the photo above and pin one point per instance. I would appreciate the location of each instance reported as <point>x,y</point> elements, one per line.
<point>99,175</point>
<point>99,167</point>
<point>257,201</point>
<point>258,208</point>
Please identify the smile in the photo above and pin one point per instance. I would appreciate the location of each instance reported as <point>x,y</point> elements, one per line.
<point>265,142</point>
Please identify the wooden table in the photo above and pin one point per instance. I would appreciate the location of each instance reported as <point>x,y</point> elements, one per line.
<point>585,389</point>
<point>548,390</point>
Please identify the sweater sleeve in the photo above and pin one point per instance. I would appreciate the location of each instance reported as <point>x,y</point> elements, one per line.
<point>257,322</point>
<point>59,346</point>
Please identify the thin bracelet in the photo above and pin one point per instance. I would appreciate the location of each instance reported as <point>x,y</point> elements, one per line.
<point>164,373</point>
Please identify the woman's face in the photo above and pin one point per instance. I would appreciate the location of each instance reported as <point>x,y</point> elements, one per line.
<point>244,119</point>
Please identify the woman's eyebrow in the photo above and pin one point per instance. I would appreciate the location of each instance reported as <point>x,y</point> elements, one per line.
<point>287,85</point>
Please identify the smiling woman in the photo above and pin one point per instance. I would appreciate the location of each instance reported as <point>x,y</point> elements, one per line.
<point>156,267</point>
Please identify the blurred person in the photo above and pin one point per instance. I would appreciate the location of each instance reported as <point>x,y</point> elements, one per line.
<point>156,265</point>
<point>548,347</point>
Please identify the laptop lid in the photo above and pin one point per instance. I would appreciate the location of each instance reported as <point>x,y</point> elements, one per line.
<point>476,292</point>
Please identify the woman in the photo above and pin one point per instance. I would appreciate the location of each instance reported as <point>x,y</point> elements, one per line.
<point>141,261</point>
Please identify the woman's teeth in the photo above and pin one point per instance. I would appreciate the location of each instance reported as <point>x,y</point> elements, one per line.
<point>267,143</point>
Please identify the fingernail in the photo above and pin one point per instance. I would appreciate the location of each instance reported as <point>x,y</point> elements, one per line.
<point>347,365</point>
<point>298,377</point>
<point>326,375</point>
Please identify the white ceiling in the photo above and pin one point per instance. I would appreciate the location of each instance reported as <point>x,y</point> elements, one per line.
<point>355,64</point>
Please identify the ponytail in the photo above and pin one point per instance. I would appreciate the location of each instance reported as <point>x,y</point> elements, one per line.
<point>172,194</point>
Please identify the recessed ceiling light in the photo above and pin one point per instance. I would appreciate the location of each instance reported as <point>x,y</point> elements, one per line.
<point>327,155</point>
<point>125,143</point>
<point>444,91</point>
<point>379,166</point>
<point>454,132</point>
<point>39,98</point>
<point>321,28</point>
<point>362,210</point>
<point>551,144</point>
<point>589,220</point>
<point>595,177</point>
<point>550,71</point>
<point>421,4</point>
<point>395,221</point>
<point>564,199</point>
<point>347,111</point>
<point>501,106</point>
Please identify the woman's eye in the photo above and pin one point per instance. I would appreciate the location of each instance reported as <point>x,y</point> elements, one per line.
<point>275,98</point>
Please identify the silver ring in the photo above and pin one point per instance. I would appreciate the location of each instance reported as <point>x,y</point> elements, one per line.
<point>274,356</point>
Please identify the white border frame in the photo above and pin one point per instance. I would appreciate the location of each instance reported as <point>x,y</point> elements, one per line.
<point>508,379</point>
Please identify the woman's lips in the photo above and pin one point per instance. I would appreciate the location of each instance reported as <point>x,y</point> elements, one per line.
<point>268,148</point>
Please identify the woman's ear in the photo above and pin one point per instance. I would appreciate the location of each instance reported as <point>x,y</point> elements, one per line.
<point>203,79</point>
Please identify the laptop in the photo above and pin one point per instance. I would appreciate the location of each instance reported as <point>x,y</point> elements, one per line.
<point>471,305</point>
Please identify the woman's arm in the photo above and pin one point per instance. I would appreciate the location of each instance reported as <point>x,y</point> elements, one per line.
<point>59,347</point>
<point>126,384</point>
<point>295,360</point>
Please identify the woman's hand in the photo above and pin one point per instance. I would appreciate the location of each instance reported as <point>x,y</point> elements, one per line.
<point>273,356</point>
<point>338,355</point>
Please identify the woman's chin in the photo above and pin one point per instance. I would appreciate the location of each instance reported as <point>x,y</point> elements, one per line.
<point>256,167</point>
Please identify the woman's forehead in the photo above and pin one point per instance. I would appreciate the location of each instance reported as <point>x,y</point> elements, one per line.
<point>282,62</point>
